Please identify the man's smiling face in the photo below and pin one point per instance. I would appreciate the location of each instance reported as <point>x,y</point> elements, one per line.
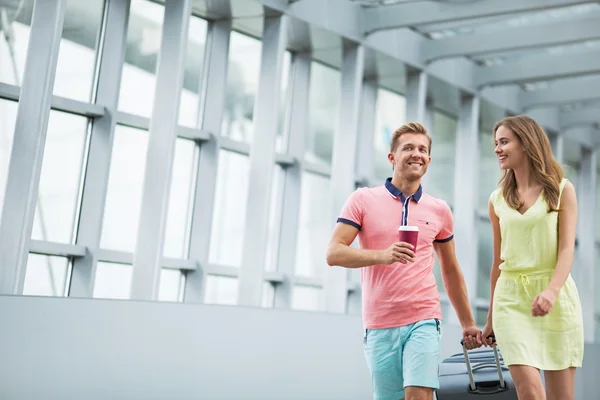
<point>411,157</point>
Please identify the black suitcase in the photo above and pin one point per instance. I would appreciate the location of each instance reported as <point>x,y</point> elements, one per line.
<point>478,374</point>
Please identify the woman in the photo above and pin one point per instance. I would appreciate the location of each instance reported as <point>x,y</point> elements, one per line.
<point>535,311</point>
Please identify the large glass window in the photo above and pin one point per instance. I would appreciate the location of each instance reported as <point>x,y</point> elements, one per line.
<point>307,298</point>
<point>113,281</point>
<point>314,226</point>
<point>441,169</point>
<point>8,117</point>
<point>181,199</point>
<point>46,275</point>
<point>77,54</point>
<point>138,79</point>
<point>228,223</point>
<point>221,290</point>
<point>390,115</point>
<point>485,258</point>
<point>597,210</point>
<point>171,285</point>
<point>489,169</point>
<point>124,192</point>
<point>275,209</point>
<point>14,40</point>
<point>58,192</point>
<point>192,78</point>
<point>243,72</point>
<point>323,104</point>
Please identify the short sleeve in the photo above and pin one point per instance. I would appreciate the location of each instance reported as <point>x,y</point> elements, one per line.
<point>446,232</point>
<point>352,212</point>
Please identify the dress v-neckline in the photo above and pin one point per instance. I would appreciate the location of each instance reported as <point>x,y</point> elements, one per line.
<point>532,205</point>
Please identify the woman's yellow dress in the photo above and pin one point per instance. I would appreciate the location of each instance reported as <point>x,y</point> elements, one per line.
<point>529,252</point>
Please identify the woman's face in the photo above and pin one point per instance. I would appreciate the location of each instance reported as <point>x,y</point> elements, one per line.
<point>509,149</point>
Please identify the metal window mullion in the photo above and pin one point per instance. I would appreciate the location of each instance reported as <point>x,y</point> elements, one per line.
<point>262,161</point>
<point>89,227</point>
<point>416,95</point>
<point>211,108</point>
<point>145,280</point>
<point>584,273</point>
<point>25,165</point>
<point>465,192</point>
<point>343,162</point>
<point>298,129</point>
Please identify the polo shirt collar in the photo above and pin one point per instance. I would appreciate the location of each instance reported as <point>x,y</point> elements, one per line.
<point>395,192</point>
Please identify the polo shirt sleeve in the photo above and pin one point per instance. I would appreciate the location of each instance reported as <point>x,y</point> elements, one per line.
<point>446,233</point>
<point>353,211</point>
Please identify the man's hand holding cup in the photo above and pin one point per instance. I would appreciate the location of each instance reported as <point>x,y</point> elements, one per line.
<point>401,252</point>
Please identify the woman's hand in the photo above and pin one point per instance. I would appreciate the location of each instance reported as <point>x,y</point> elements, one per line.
<point>543,303</point>
<point>487,331</point>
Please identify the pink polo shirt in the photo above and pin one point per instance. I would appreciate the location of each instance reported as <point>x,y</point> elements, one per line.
<point>398,294</point>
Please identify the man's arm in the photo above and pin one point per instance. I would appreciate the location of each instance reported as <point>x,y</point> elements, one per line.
<point>341,254</point>
<point>454,282</point>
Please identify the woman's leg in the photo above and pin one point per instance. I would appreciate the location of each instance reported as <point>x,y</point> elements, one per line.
<point>560,385</point>
<point>528,382</point>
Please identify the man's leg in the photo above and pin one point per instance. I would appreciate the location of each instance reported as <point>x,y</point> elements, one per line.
<point>383,353</point>
<point>422,360</point>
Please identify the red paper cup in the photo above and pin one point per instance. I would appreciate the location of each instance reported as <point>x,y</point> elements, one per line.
<point>409,234</point>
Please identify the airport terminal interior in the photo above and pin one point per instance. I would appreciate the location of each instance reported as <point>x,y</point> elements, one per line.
<point>171,172</point>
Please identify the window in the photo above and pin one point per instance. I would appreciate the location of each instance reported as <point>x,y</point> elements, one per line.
<point>113,281</point>
<point>229,216</point>
<point>221,290</point>
<point>46,275</point>
<point>390,115</point>
<point>181,197</point>
<point>307,298</point>
<point>489,170</point>
<point>323,104</point>
<point>314,225</point>
<point>485,258</point>
<point>192,78</point>
<point>283,114</point>
<point>58,192</point>
<point>441,169</point>
<point>171,285</point>
<point>243,72</point>
<point>14,51</point>
<point>8,117</point>
<point>275,209</point>
<point>138,79</point>
<point>124,192</point>
<point>77,54</point>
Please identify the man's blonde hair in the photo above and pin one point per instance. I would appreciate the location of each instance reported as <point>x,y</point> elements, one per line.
<point>411,127</point>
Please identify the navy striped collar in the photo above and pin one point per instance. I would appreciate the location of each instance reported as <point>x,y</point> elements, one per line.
<point>395,192</point>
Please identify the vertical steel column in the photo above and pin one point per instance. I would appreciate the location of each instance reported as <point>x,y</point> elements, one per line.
<point>416,95</point>
<point>584,266</point>
<point>214,84</point>
<point>89,228</point>
<point>27,153</point>
<point>343,161</point>
<point>298,128</point>
<point>161,148</point>
<point>262,161</point>
<point>465,192</point>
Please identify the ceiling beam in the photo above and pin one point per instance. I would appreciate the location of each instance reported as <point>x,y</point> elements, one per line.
<point>582,117</point>
<point>412,14</point>
<point>561,92</point>
<point>511,39</point>
<point>538,68</point>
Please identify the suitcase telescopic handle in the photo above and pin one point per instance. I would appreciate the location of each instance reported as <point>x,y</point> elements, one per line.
<point>470,370</point>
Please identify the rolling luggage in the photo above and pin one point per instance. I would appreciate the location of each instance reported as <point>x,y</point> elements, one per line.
<point>478,374</point>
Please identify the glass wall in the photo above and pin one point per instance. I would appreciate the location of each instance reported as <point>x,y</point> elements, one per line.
<point>390,114</point>
<point>441,169</point>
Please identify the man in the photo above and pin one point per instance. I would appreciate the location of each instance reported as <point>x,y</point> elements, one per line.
<point>401,304</point>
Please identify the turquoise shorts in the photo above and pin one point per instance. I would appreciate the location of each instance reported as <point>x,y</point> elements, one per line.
<point>403,356</point>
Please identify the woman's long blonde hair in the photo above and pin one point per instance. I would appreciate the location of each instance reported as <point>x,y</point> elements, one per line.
<point>546,170</point>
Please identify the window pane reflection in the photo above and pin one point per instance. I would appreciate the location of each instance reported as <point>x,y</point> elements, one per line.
<point>485,258</point>
<point>221,290</point>
<point>307,298</point>
<point>139,70</point>
<point>227,234</point>
<point>124,192</point>
<point>390,114</point>
<point>46,275</point>
<point>180,199</point>
<point>8,117</point>
<point>171,284</point>
<point>441,169</point>
<point>58,193</point>
<point>113,281</point>
<point>489,170</point>
<point>314,226</point>
<point>243,72</point>
<point>323,104</point>
<point>14,39</point>
<point>77,54</point>
<point>192,78</point>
